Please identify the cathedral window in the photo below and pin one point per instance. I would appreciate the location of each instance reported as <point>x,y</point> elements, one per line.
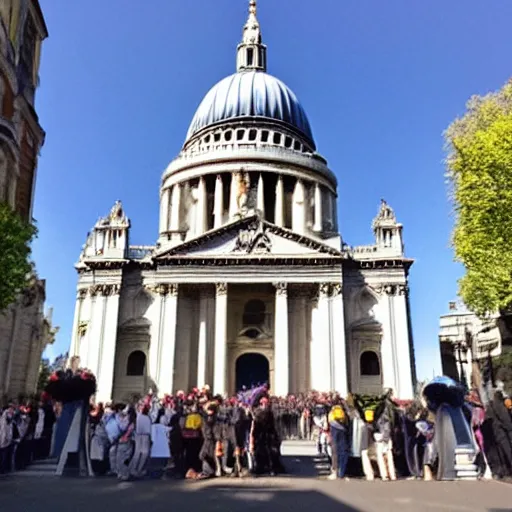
<point>264,136</point>
<point>240,134</point>
<point>252,135</point>
<point>228,135</point>
<point>297,146</point>
<point>254,313</point>
<point>288,142</point>
<point>369,364</point>
<point>216,137</point>
<point>277,138</point>
<point>136,364</point>
<point>250,56</point>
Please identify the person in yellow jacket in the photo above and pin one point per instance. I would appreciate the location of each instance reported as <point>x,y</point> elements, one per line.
<point>339,436</point>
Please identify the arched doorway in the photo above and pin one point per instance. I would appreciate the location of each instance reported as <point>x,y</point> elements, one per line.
<point>251,369</point>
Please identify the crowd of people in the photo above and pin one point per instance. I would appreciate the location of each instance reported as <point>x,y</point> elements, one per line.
<point>26,430</point>
<point>210,436</point>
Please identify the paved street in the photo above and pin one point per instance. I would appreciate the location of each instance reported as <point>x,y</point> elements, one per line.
<point>303,489</point>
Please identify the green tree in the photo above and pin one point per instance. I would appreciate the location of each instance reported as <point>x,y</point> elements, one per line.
<point>479,165</point>
<point>44,375</point>
<point>15,266</point>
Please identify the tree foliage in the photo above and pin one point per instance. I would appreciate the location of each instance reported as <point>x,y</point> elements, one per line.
<point>15,266</point>
<point>479,167</point>
<point>44,375</point>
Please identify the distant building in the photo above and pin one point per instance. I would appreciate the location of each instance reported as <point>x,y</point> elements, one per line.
<point>465,338</point>
<point>24,328</point>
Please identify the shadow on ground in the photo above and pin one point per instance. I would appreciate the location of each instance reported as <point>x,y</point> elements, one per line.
<point>88,495</point>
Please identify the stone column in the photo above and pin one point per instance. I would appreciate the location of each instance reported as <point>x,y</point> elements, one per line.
<point>318,209</point>
<point>279,212</point>
<point>168,345</point>
<point>218,208</point>
<point>164,211</point>
<point>404,380</point>
<point>320,345</point>
<point>260,201</point>
<point>298,210</point>
<point>221,318</point>
<point>105,376</point>
<point>388,356</point>
<point>75,337</point>
<point>84,328</point>
<point>233,196</point>
<point>338,338</point>
<point>95,337</point>
<point>281,342</point>
<point>175,207</point>
<point>155,314</point>
<point>202,200</point>
<point>202,345</point>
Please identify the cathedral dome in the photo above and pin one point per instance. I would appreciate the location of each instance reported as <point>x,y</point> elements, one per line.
<point>251,93</point>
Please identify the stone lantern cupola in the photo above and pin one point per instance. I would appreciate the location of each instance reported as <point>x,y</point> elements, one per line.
<point>252,54</point>
<point>388,232</point>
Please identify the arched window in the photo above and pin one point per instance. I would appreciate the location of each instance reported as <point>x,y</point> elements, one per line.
<point>369,363</point>
<point>136,364</point>
<point>254,312</point>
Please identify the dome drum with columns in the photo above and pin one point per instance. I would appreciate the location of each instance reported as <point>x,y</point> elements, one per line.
<point>249,264</point>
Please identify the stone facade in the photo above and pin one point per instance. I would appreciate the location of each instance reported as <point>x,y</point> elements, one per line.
<point>22,327</point>
<point>25,331</point>
<point>249,279</point>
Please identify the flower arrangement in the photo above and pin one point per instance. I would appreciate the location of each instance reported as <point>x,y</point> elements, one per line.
<point>66,386</point>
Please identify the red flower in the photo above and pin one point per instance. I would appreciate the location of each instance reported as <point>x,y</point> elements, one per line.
<point>53,377</point>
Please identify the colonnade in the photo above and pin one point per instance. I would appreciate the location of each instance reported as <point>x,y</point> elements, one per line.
<point>312,209</point>
<point>328,351</point>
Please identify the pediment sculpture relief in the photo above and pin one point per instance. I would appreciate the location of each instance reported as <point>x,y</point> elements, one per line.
<point>254,239</point>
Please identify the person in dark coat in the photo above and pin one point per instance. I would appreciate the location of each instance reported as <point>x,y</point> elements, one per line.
<point>265,444</point>
<point>211,451</point>
<point>497,431</point>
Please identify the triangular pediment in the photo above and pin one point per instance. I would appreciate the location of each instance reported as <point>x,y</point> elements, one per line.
<point>250,237</point>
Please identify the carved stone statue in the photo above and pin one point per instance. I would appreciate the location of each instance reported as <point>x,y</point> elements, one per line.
<point>243,191</point>
<point>116,213</point>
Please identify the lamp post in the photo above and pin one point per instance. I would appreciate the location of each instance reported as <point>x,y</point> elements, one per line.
<point>462,346</point>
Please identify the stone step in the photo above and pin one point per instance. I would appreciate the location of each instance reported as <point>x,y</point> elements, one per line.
<point>45,468</point>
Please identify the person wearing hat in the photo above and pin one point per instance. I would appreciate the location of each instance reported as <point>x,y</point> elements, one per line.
<point>339,438</point>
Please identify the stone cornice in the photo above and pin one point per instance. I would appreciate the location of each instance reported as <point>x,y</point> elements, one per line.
<point>381,263</point>
<point>206,162</point>
<point>100,264</point>
<point>392,289</point>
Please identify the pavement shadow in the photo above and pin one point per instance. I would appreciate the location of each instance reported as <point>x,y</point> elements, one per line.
<point>89,495</point>
<point>306,466</point>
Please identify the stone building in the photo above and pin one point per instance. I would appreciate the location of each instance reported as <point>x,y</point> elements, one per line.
<point>464,339</point>
<point>249,279</point>
<point>23,325</point>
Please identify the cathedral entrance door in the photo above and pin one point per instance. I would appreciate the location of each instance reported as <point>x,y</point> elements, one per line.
<point>251,369</point>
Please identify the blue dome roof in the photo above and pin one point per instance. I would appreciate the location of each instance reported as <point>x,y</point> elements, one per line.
<point>253,94</point>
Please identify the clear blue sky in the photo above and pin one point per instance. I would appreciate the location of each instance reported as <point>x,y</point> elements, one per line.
<point>380,81</point>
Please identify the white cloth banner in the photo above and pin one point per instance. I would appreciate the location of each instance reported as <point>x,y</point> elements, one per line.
<point>160,439</point>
